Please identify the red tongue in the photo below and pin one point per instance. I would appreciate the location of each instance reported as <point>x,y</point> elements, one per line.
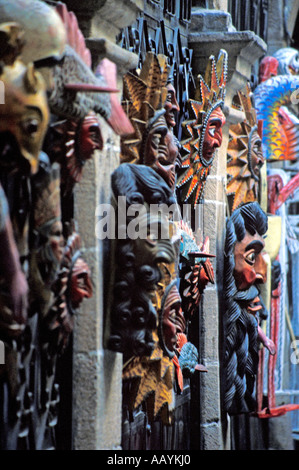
<point>255,305</point>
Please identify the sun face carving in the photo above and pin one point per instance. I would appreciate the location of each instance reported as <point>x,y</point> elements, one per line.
<point>244,154</point>
<point>203,132</point>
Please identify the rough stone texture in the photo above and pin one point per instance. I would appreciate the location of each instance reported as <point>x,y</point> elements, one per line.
<point>105,18</point>
<point>277,35</point>
<point>97,401</point>
<point>97,373</point>
<point>211,436</point>
<point>210,21</point>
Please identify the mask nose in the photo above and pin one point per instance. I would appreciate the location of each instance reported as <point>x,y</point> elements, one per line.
<point>261,269</point>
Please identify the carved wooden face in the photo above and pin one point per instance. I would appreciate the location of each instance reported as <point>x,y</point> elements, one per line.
<point>90,137</point>
<point>250,265</point>
<point>25,112</point>
<point>256,157</point>
<point>57,240</point>
<point>81,286</point>
<point>171,312</point>
<point>268,68</point>
<point>213,134</point>
<point>171,106</point>
<point>161,151</point>
<point>154,247</point>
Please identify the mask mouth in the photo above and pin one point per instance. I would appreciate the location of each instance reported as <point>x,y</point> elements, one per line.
<point>254,306</point>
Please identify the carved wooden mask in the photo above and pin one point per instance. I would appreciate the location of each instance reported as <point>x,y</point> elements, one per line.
<point>203,132</point>
<point>150,103</point>
<point>244,154</point>
<point>244,269</point>
<point>24,114</point>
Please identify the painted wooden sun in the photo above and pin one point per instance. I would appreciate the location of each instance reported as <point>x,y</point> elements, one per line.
<point>209,99</point>
<point>244,154</point>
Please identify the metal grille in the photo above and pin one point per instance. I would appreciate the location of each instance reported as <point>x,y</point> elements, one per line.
<point>250,15</point>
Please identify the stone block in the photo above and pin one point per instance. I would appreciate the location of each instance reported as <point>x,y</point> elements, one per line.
<point>211,437</point>
<point>210,393</point>
<point>97,401</point>
<point>203,20</point>
<point>209,347</point>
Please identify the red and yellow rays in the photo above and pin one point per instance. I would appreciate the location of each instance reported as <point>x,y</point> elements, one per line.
<point>209,93</point>
<point>190,181</point>
<point>241,185</point>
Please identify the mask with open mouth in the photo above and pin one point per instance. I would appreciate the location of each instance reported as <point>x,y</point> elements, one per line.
<point>245,269</point>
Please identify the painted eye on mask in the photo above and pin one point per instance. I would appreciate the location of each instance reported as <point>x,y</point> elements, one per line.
<point>30,126</point>
<point>250,258</point>
<point>212,131</point>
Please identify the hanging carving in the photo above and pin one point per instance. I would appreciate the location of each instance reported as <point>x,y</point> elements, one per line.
<point>195,271</point>
<point>244,270</point>
<point>39,324</point>
<point>203,131</point>
<point>288,61</point>
<point>148,381</point>
<point>77,90</point>
<point>133,317</point>
<point>244,155</point>
<point>23,125</point>
<point>71,143</point>
<point>280,125</point>
<point>268,68</point>
<point>144,98</point>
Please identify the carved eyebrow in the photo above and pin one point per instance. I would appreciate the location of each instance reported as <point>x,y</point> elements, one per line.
<point>256,245</point>
<point>215,120</point>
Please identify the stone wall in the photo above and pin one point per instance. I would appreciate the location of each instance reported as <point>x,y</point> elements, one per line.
<point>97,372</point>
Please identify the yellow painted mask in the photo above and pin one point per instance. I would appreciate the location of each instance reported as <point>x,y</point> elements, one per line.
<point>24,112</point>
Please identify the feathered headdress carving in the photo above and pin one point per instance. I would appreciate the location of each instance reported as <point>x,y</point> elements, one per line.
<point>242,183</point>
<point>143,100</point>
<point>209,95</point>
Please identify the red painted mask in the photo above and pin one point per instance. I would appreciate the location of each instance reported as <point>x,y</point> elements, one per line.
<point>268,68</point>
<point>89,136</point>
<point>81,286</point>
<point>57,240</point>
<point>213,134</point>
<point>250,265</point>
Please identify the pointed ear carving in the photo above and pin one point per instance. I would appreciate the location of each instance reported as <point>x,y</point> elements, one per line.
<point>32,80</point>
